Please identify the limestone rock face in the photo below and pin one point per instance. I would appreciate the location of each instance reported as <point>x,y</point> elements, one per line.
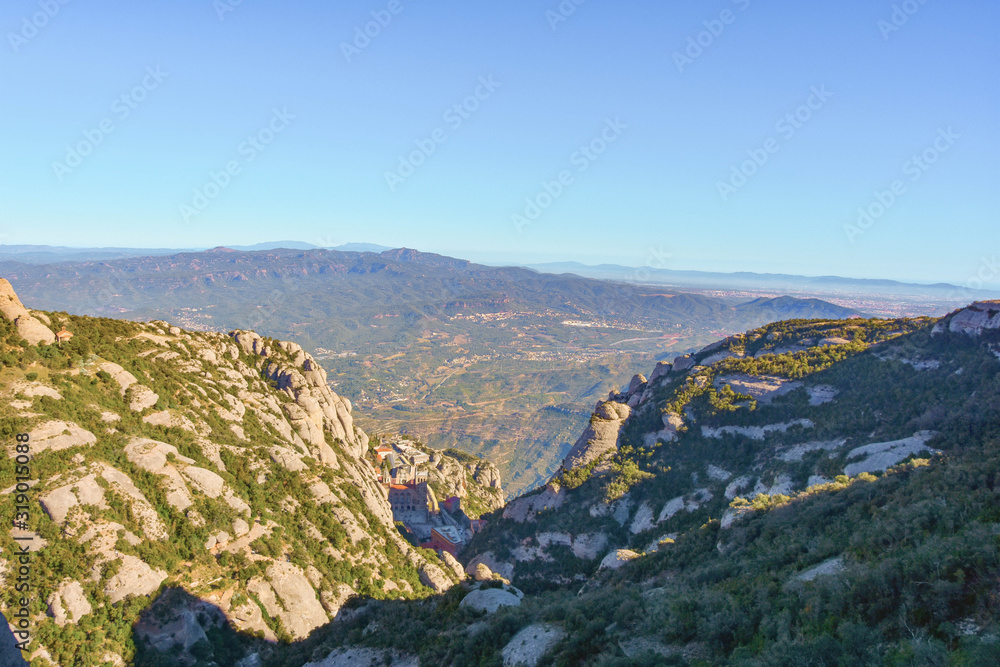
<point>617,558</point>
<point>334,601</point>
<point>86,491</point>
<point>119,375</point>
<point>505,570</point>
<point>56,435</point>
<point>524,508</point>
<point>178,621</point>
<point>205,481</point>
<point>482,572</point>
<point>240,527</point>
<point>600,436</point>
<point>733,514</point>
<point>976,318</point>
<point>529,646</point>
<point>32,389</point>
<point>455,566</point>
<point>316,409</point>
<point>166,418</point>
<point>299,609</point>
<point>488,476</point>
<point>151,455</point>
<point>589,545</point>
<point>287,422</point>
<point>432,576</point>
<point>672,424</point>
<point>68,603</point>
<point>491,599</point>
<point>28,326</point>
<point>134,578</point>
<point>682,364</point>
<point>142,397</point>
<point>476,479</point>
<point>762,388</point>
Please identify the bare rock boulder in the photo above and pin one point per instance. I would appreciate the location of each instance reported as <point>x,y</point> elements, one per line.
<point>302,611</point>
<point>526,507</point>
<point>142,397</point>
<point>493,564</point>
<point>529,646</point>
<point>617,558</point>
<point>135,577</point>
<point>490,599</point>
<point>205,481</point>
<point>57,435</point>
<point>453,564</point>
<point>119,375</point>
<point>68,603</point>
<point>432,577</point>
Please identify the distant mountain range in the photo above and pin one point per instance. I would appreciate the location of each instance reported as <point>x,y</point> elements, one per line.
<point>46,254</point>
<point>353,285</point>
<point>946,295</point>
<point>779,282</point>
<point>455,353</point>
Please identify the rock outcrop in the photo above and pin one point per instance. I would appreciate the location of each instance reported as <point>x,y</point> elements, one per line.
<point>526,507</point>
<point>617,558</point>
<point>973,320</point>
<point>491,599</point>
<point>68,603</point>
<point>251,457</point>
<point>287,594</point>
<point>600,436</point>
<point>530,644</point>
<point>28,326</point>
<point>57,435</point>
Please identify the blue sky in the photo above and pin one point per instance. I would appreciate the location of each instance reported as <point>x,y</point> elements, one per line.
<point>313,134</point>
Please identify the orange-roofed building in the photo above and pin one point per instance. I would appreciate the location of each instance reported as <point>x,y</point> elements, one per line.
<point>444,538</point>
<point>63,336</point>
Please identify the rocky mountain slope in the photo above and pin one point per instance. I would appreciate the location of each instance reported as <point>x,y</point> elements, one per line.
<point>810,492</point>
<point>476,481</point>
<point>214,475</point>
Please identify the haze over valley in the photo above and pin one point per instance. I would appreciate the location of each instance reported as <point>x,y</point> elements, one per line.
<point>504,363</point>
